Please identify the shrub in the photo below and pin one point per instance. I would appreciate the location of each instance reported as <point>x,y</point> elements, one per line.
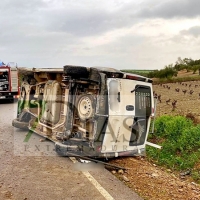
<point>180,142</point>
<point>170,126</point>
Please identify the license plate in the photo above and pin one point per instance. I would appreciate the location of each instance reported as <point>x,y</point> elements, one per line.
<point>2,97</point>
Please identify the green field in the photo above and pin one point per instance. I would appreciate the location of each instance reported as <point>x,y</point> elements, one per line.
<point>142,72</point>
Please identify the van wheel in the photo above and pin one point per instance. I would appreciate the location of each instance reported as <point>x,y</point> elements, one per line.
<point>85,107</point>
<point>94,75</point>
<point>22,125</point>
<point>76,71</point>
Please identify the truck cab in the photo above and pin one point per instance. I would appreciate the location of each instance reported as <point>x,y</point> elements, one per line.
<point>94,112</point>
<point>9,83</point>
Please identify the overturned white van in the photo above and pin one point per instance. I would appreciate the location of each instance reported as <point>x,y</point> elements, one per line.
<point>94,112</point>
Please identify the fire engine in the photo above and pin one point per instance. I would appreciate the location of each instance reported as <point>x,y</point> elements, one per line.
<point>9,82</point>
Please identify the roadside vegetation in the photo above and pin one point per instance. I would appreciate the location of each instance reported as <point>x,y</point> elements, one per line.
<point>179,137</point>
<point>173,171</point>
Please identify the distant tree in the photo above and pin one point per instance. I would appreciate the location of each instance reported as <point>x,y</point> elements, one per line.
<point>179,64</point>
<point>152,74</point>
<point>168,72</point>
<point>179,67</point>
<point>179,61</point>
<point>185,63</point>
<point>195,68</point>
<point>195,65</point>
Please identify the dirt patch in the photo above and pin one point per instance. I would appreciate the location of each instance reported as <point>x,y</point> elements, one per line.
<point>186,95</point>
<point>155,183</point>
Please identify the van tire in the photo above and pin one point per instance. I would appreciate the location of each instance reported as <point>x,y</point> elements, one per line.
<point>76,71</point>
<point>21,125</point>
<point>85,107</point>
<point>94,75</point>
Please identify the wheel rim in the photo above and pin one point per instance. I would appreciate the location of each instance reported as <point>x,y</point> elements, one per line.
<point>85,109</point>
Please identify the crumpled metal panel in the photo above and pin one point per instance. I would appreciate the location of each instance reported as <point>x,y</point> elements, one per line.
<point>51,106</point>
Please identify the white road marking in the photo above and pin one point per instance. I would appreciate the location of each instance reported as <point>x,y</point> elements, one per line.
<point>98,186</point>
<point>94,182</point>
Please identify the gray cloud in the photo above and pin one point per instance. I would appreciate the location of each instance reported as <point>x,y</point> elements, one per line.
<point>78,22</point>
<point>21,6</point>
<point>193,31</point>
<point>39,33</point>
<point>170,9</point>
<point>73,17</point>
<point>81,20</point>
<point>86,22</point>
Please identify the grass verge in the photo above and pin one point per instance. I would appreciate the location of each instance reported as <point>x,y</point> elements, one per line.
<point>180,141</point>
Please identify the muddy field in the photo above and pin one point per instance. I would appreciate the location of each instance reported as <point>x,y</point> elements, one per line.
<point>178,98</point>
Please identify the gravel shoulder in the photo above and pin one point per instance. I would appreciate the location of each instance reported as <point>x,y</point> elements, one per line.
<point>154,182</point>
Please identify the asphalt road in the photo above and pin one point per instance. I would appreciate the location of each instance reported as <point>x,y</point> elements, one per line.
<point>31,170</point>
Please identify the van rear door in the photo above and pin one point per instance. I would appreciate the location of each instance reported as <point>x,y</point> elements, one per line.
<point>129,110</point>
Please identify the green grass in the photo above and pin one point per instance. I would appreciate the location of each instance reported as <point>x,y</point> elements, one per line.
<point>179,79</point>
<point>180,141</point>
<point>137,71</point>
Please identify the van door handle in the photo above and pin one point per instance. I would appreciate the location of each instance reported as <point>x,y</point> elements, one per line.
<point>129,107</point>
<point>118,98</point>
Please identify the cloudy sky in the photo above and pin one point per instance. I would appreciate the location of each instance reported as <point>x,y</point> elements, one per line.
<point>124,34</point>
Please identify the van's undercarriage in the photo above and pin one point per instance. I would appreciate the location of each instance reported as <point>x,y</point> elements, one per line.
<point>86,111</point>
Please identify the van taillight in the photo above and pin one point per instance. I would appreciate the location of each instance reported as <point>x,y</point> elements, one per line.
<point>138,78</point>
<point>131,77</point>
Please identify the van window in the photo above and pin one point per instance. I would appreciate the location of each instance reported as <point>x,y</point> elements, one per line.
<point>142,101</point>
<point>142,113</point>
<point>113,95</point>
